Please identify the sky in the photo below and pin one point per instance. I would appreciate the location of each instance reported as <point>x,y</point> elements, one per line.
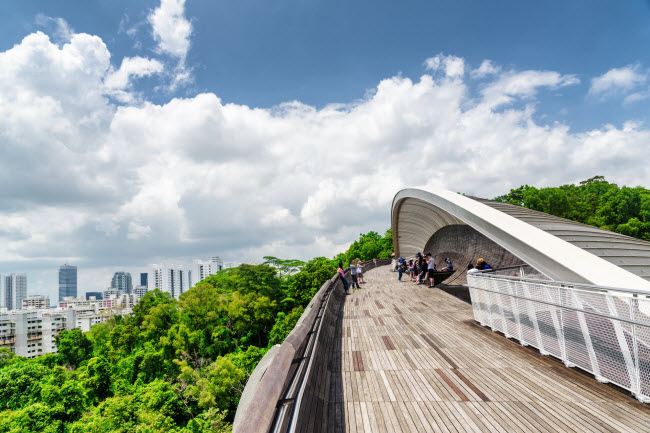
<point>138,132</point>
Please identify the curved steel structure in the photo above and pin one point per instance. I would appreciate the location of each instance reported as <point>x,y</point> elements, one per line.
<point>560,249</point>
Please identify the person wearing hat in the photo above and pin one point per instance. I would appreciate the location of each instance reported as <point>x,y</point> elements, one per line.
<point>482,265</point>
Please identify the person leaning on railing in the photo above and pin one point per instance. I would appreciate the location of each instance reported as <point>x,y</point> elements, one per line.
<point>482,265</point>
<point>344,280</point>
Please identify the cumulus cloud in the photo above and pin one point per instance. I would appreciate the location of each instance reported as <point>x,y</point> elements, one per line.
<point>171,30</point>
<point>524,84</point>
<point>132,67</point>
<point>618,80</point>
<point>486,68</point>
<point>452,66</point>
<point>121,185</point>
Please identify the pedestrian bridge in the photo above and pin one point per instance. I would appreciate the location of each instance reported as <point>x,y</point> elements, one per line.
<point>401,357</point>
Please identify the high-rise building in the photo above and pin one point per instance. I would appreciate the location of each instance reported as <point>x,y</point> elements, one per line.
<point>144,279</point>
<point>67,281</point>
<point>169,278</point>
<point>97,295</point>
<point>217,263</point>
<point>122,282</point>
<point>3,293</point>
<point>201,269</point>
<point>14,290</point>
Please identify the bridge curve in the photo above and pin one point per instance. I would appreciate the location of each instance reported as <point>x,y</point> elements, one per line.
<point>559,249</point>
<point>399,357</point>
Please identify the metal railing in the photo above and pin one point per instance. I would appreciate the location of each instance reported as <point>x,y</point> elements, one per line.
<point>602,330</point>
<point>281,409</point>
<point>286,415</point>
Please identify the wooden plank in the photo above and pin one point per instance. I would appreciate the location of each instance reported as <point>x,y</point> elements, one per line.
<point>413,360</point>
<point>452,385</point>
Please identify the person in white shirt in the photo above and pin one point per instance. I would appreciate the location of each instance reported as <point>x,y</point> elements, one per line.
<point>353,274</point>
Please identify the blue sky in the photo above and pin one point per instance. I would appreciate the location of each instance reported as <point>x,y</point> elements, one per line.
<point>137,132</point>
<point>261,53</point>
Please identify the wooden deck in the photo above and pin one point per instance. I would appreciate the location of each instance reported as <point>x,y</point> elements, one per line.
<point>412,359</point>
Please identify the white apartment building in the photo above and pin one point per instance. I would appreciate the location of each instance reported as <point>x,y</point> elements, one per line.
<point>202,270</point>
<point>13,289</point>
<point>36,302</point>
<point>140,291</point>
<point>91,312</point>
<point>32,333</point>
<point>169,278</point>
<point>108,293</point>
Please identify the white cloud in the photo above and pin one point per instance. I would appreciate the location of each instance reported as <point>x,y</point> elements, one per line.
<point>123,186</point>
<point>171,30</point>
<point>617,80</point>
<point>452,66</point>
<point>524,84</point>
<point>486,68</point>
<point>116,82</point>
<point>60,27</point>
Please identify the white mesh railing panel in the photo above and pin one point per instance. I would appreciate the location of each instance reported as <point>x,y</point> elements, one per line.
<point>601,330</point>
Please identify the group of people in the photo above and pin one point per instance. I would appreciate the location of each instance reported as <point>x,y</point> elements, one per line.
<point>356,272</point>
<point>481,265</point>
<point>421,269</point>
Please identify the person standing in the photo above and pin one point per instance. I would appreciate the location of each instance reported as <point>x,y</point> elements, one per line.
<point>400,268</point>
<point>353,274</point>
<point>431,267</point>
<point>360,271</point>
<point>341,272</point>
<point>422,268</point>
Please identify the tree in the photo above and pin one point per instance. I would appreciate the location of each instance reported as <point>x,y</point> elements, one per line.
<point>97,378</point>
<point>284,324</point>
<point>311,277</point>
<point>285,267</point>
<point>214,386</point>
<point>74,347</point>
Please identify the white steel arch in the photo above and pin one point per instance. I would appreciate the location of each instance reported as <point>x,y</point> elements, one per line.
<point>552,245</point>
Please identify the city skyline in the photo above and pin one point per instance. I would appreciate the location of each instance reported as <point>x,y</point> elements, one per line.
<point>54,294</point>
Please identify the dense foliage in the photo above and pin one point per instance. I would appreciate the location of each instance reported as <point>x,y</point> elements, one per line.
<point>172,365</point>
<point>595,202</point>
<point>369,246</point>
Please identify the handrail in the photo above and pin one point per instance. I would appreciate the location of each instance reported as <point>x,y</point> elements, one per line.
<point>298,377</point>
<point>565,283</point>
<point>303,384</point>
<point>602,330</point>
<point>503,268</point>
<point>281,379</point>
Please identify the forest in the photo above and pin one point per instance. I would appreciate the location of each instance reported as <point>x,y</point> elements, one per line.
<point>625,210</point>
<point>172,365</point>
